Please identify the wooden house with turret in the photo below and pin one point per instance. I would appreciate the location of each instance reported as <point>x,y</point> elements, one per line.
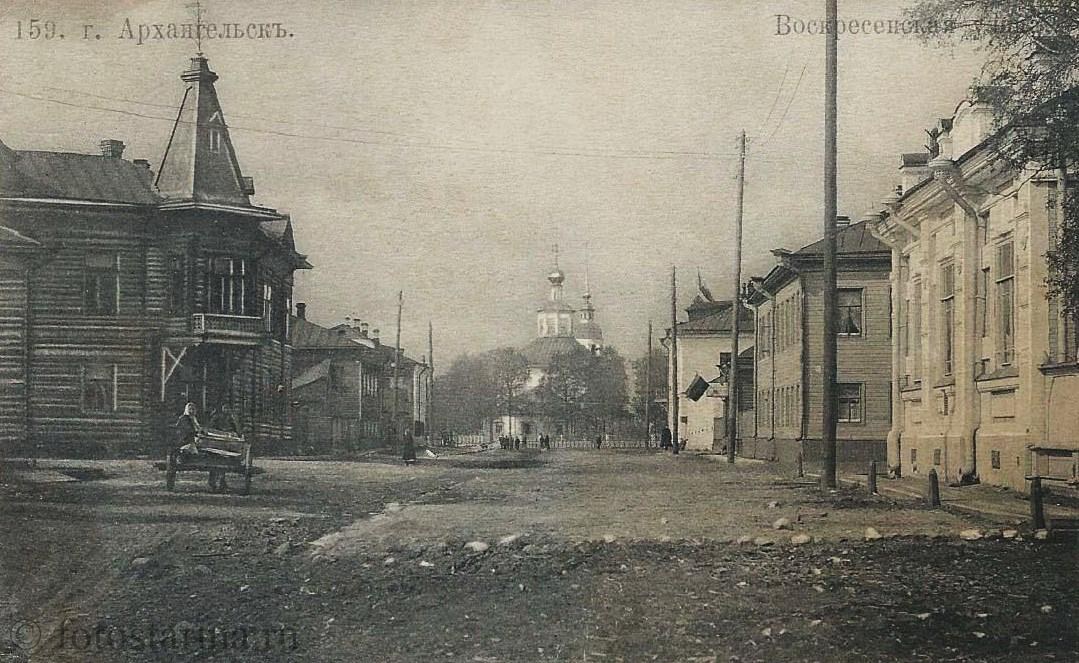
<point>126,293</point>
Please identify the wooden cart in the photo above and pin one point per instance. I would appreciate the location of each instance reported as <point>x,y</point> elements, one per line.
<point>217,452</point>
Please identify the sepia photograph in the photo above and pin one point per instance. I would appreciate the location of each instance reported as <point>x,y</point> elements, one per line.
<point>512,331</point>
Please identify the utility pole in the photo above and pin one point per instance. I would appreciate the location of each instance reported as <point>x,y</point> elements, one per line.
<point>394,424</point>
<point>736,307</point>
<point>673,390</point>
<point>431,381</point>
<point>828,355</point>
<point>648,392</point>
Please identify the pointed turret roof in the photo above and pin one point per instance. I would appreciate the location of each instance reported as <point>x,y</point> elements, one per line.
<point>200,163</point>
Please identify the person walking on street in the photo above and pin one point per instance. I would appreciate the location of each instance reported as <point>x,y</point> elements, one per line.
<point>665,439</point>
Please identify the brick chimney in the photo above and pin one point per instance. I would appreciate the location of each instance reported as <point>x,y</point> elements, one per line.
<point>364,329</point>
<point>301,310</point>
<point>374,336</point>
<point>112,148</point>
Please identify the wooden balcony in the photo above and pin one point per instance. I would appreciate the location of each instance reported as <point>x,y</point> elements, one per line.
<point>227,329</point>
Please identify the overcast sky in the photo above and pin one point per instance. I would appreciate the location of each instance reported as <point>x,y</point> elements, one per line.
<point>442,148</point>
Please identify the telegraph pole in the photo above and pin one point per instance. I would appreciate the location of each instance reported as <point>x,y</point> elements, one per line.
<point>431,381</point>
<point>736,306</point>
<point>828,355</point>
<point>648,392</point>
<point>673,390</point>
<point>397,369</point>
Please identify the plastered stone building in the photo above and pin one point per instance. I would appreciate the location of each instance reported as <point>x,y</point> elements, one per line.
<point>984,364</point>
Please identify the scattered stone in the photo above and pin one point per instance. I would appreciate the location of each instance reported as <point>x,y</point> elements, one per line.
<point>244,588</point>
<point>773,504</point>
<point>139,562</point>
<point>1010,533</point>
<point>743,540</point>
<point>923,616</point>
<point>509,539</point>
<point>1047,609</point>
<point>1041,535</point>
<point>424,563</point>
<point>282,549</point>
<point>979,635</point>
<point>871,534</point>
<point>818,589</point>
<point>477,546</point>
<point>763,541</point>
<point>801,539</point>
<point>782,523</point>
<point>815,622</point>
<point>970,535</point>
<point>389,561</point>
<point>277,520</point>
<point>767,631</point>
<point>609,538</point>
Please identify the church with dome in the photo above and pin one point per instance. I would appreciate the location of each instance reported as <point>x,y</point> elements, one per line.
<point>561,329</point>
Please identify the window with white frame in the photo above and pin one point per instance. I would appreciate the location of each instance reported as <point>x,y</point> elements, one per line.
<point>229,283</point>
<point>849,320</point>
<point>947,317</point>
<point>1005,303</point>
<point>101,284</point>
<point>850,402</point>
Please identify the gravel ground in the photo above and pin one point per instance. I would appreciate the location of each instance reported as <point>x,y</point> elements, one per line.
<point>601,556</point>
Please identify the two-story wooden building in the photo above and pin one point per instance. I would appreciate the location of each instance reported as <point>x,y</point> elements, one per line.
<point>339,378</point>
<point>789,310</point>
<point>128,293</point>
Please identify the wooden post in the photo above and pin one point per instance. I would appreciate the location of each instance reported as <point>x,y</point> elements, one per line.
<point>648,392</point>
<point>673,389</point>
<point>736,307</point>
<point>830,411</point>
<point>1037,504</point>
<point>871,482</point>
<point>934,489</point>
<point>394,423</point>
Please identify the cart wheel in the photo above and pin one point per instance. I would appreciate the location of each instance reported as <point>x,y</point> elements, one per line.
<point>170,470</point>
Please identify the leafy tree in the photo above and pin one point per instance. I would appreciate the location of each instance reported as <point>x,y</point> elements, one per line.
<point>562,390</point>
<point>467,395</point>
<point>509,369</point>
<point>1029,79</point>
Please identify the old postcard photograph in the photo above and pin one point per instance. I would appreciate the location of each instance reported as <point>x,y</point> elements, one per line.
<point>501,331</point>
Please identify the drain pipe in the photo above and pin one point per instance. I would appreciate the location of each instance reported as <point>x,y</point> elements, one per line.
<point>950,179</point>
<point>895,431</point>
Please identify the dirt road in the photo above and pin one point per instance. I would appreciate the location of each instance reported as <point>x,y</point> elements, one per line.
<point>505,556</point>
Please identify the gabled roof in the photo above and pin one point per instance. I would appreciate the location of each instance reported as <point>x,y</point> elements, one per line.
<point>718,321</point>
<point>307,335</point>
<point>851,240</point>
<point>200,163</point>
<point>71,176</point>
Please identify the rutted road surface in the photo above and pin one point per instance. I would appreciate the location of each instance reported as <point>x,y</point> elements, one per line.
<point>507,556</point>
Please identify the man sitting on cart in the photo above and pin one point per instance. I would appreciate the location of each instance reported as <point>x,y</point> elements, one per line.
<point>187,427</point>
